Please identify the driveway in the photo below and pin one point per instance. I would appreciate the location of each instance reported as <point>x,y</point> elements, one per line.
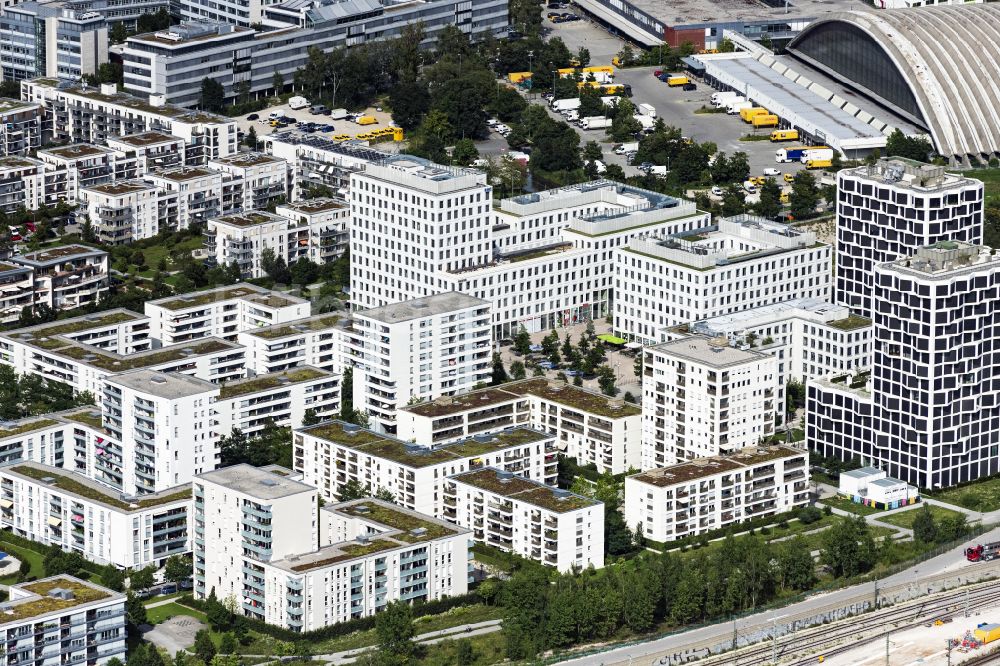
<point>175,634</point>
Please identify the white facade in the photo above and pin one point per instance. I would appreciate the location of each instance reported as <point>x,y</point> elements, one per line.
<point>17,291</point>
<point>142,152</point>
<point>589,427</point>
<point>164,424</point>
<point>331,454</point>
<point>22,182</point>
<point>418,350</point>
<point>279,399</point>
<point>317,341</point>
<point>887,211</point>
<point>318,161</point>
<point>698,496</point>
<point>222,313</point>
<point>41,611</point>
<point>743,262</point>
<point>262,179</point>
<point>124,211</point>
<point>702,398</point>
<point>240,238</point>
<point>550,526</point>
<point>67,276</point>
<point>54,507</point>
<point>327,221</point>
<point>199,192</point>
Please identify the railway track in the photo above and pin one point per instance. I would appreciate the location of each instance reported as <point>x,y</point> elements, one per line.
<point>833,639</point>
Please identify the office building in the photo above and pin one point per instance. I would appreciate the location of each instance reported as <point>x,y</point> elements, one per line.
<point>888,210</point>
<point>589,427</point>
<point>743,262</point>
<point>418,350</point>
<point>86,620</point>
<point>705,494</point>
<point>329,455</point>
<point>62,40</point>
<point>550,526</point>
<point>701,398</point>
<point>59,508</point>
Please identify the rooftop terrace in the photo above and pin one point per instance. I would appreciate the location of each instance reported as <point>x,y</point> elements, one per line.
<point>705,467</point>
<point>39,603</point>
<point>520,489</point>
<point>310,325</point>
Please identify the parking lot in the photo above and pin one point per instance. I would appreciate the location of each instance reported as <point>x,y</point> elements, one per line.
<point>263,128</point>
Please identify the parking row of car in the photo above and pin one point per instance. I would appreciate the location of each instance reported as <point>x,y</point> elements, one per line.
<point>499,127</point>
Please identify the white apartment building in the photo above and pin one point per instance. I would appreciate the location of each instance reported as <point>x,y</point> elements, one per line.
<point>59,508</point>
<point>263,179</point>
<point>705,494</point>
<point>199,192</point>
<point>589,427</point>
<point>243,518</point>
<point>17,291</point>
<point>701,398</point>
<point>20,126</point>
<point>138,154</point>
<point>164,424</point>
<point>371,553</point>
<point>241,238</point>
<point>67,276</point>
<point>22,183</point>
<point>318,341</point>
<point>84,114</point>
<point>809,337</point>
<point>418,350</point>
<point>889,210</point>
<point>221,313</point>
<point>126,211</point>
<point>327,221</point>
<point>87,620</point>
<point>316,161</point>
<point>70,168</point>
<point>543,260</point>
<point>743,262</point>
<point>278,399</point>
<point>550,526</point>
<point>330,454</point>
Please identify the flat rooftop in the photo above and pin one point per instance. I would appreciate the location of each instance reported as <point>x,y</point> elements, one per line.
<point>245,160</point>
<point>114,362</point>
<point>247,292</point>
<point>181,174</point>
<point>945,259</point>
<point>271,381</point>
<point>422,168</point>
<point>7,105</point>
<point>697,12</point>
<point>412,455</point>
<point>813,309</point>
<point>54,255</point>
<point>51,596</point>
<point>314,206</point>
<point>77,151</point>
<point>80,486</point>
<point>400,523</point>
<point>144,139</point>
<point>428,306</point>
<point>121,187</point>
<point>256,482</point>
<point>298,327</point>
<point>170,385</point>
<point>524,490</point>
<point>713,352</point>
<point>911,174</point>
<point>52,336</point>
<point>703,467</point>
<point>558,392</point>
<point>249,219</point>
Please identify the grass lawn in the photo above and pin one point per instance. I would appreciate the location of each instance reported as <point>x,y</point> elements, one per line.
<point>991,181</point>
<point>845,504</point>
<point>486,649</point>
<point>879,531</point>
<point>978,496</point>
<point>155,253</point>
<point>37,570</point>
<point>167,611</point>
<point>162,597</point>
<point>906,518</point>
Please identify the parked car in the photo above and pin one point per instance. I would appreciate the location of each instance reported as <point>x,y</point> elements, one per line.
<point>253,116</point>
<point>169,588</point>
<point>717,191</point>
<point>689,86</point>
<point>548,365</point>
<point>771,171</point>
<point>326,128</point>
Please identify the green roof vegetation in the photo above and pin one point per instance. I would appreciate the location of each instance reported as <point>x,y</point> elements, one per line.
<point>59,252</point>
<point>365,441</point>
<point>851,323</point>
<point>537,254</point>
<point>270,381</point>
<point>89,417</point>
<point>574,397</point>
<point>82,594</point>
<point>93,492</point>
<point>21,428</point>
<point>78,325</point>
<point>271,300</point>
<point>119,363</point>
<point>524,490</point>
<point>347,551</point>
<point>194,299</point>
<point>247,219</point>
<point>307,325</point>
<point>399,520</point>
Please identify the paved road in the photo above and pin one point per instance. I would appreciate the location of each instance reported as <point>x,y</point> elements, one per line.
<point>645,653</point>
<point>430,638</point>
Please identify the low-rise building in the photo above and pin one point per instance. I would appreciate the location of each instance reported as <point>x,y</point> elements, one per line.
<point>701,397</point>
<point>138,154</point>
<point>326,220</point>
<point>87,621</point>
<point>418,350</point>
<point>589,427</point>
<point>22,183</point>
<point>873,487</point>
<point>697,496</point>
<point>67,276</point>
<point>550,526</point>
<point>59,508</point>
<point>222,312</point>
<point>330,455</point>
<point>70,168</point>
<point>316,341</point>
<point>743,262</point>
<point>199,192</point>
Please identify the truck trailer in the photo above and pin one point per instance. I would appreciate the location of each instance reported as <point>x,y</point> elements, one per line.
<point>983,552</point>
<point>793,154</point>
<point>816,153</point>
<point>595,122</point>
<point>646,110</point>
<point>765,120</point>
<point>785,135</point>
<point>747,115</point>
<point>736,107</point>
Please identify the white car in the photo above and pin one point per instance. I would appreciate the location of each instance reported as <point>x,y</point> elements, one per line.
<point>717,191</point>
<point>771,171</point>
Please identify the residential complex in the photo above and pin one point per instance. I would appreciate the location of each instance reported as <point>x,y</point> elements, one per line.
<point>55,507</point>
<point>67,276</point>
<point>87,622</point>
<point>551,526</point>
<point>890,209</point>
<point>589,427</point>
<point>664,280</point>
<point>418,350</point>
<point>713,492</point>
<point>703,398</point>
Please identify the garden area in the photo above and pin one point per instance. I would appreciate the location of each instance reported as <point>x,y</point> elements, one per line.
<point>906,519</point>
<point>981,495</point>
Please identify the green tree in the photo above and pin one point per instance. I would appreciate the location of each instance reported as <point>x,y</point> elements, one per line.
<point>213,95</point>
<point>499,373</point>
<point>351,490</point>
<point>591,104</point>
<point>118,34</point>
<point>517,370</point>
<point>410,101</point>
<point>384,494</point>
<point>804,197</point>
<point>925,528</point>
<point>309,417</point>
<point>394,631</point>
<point>228,644</point>
<point>592,151</point>
<point>141,579</point>
<point>524,600</point>
<point>465,152</point>
<point>848,547</point>
<point>522,342</point>
<point>770,199</point>
<point>113,578</point>
<point>346,395</point>
<point>135,611</point>
<point>606,380</point>
<point>204,648</point>
<point>464,652</point>
<point>278,82</point>
<point>178,568</point>
<point>250,139</point>
<point>914,148</point>
<point>796,567</point>
<point>733,201</point>
<point>624,126</point>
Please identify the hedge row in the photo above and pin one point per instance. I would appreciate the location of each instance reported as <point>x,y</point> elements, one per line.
<point>420,609</point>
<point>42,549</point>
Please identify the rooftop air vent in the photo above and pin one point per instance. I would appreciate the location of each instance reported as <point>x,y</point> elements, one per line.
<point>418,531</point>
<point>270,483</point>
<point>61,593</point>
<point>351,428</point>
<point>362,509</point>
<point>48,480</point>
<point>158,380</point>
